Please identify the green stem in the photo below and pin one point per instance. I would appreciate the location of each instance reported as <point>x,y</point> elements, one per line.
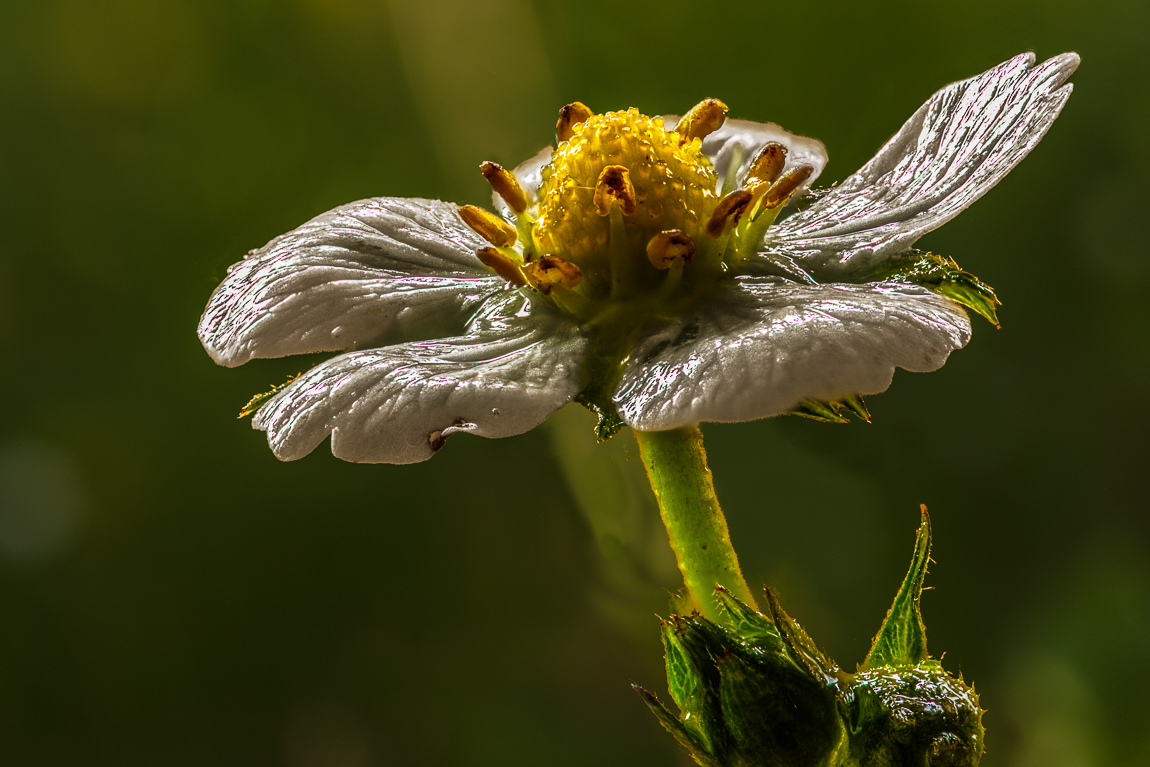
<point>677,467</point>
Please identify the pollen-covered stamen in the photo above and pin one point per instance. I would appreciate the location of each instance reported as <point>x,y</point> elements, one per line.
<point>768,164</point>
<point>502,264</point>
<point>728,212</point>
<point>668,246</point>
<point>570,116</point>
<point>782,189</point>
<point>703,119</point>
<point>488,226</point>
<point>506,185</point>
<point>615,185</point>
<point>551,271</point>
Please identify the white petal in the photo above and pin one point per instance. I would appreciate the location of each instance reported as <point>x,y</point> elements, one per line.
<point>397,404</point>
<point>760,347</point>
<point>742,140</point>
<point>357,275</point>
<point>947,155</point>
<point>530,176</point>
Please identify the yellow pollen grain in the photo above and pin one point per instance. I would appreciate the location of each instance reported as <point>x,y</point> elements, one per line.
<point>665,247</point>
<point>550,271</point>
<point>614,185</point>
<point>703,119</point>
<point>502,264</point>
<point>505,184</point>
<point>768,163</point>
<point>571,115</point>
<point>782,189</point>
<point>488,226</point>
<point>728,212</point>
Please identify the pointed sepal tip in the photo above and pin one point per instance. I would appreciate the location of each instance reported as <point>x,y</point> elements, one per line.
<point>901,640</point>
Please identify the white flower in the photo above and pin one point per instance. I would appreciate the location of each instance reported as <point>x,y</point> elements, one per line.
<point>822,305</point>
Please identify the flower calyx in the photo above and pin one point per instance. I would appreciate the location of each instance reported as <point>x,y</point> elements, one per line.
<point>757,691</point>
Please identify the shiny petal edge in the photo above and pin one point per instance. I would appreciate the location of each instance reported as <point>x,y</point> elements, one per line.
<point>957,146</point>
<point>759,347</point>
<point>360,274</point>
<point>398,404</point>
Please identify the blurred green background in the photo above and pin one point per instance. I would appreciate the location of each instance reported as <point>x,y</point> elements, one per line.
<point>170,594</point>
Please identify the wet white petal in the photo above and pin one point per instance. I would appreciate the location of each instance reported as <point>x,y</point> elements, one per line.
<point>947,155</point>
<point>399,403</point>
<point>361,274</point>
<point>742,139</point>
<point>759,347</point>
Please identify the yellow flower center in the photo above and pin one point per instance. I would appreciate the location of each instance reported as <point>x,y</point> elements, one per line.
<point>629,226</point>
<point>674,186</point>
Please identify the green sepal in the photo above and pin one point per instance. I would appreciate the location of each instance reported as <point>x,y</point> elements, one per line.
<point>757,692</point>
<point>832,411</point>
<point>751,626</point>
<point>256,402</point>
<point>690,643</point>
<point>687,738</point>
<point>945,277</point>
<point>776,714</point>
<point>901,640</point>
<point>800,647</point>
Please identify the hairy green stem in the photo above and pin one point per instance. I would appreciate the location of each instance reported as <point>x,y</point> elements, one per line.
<point>677,467</point>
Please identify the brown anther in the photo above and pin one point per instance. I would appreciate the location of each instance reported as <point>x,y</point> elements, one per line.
<point>505,184</point>
<point>502,264</point>
<point>781,190</point>
<point>668,245</point>
<point>570,116</point>
<point>549,271</point>
<point>704,118</point>
<point>768,163</point>
<point>488,226</point>
<point>615,185</point>
<point>728,212</point>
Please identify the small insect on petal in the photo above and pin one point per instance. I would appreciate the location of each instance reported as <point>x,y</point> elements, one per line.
<point>505,184</point>
<point>488,226</point>
<point>703,119</point>
<point>768,163</point>
<point>666,246</point>
<point>549,271</point>
<point>728,212</point>
<point>782,189</point>
<point>570,116</point>
<point>615,185</point>
<point>502,264</point>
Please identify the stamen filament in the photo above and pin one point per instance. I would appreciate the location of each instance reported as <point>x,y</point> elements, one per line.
<point>619,251</point>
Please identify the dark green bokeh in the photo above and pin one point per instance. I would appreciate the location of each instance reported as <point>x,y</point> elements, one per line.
<point>171,594</point>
